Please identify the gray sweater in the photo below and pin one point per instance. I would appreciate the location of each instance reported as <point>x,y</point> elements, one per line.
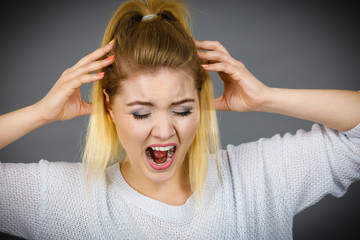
<point>253,193</point>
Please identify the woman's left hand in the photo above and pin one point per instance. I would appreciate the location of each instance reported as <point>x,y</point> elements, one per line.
<point>242,91</point>
<point>337,109</point>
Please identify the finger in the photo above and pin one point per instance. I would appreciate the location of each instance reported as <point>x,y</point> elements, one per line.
<point>210,46</point>
<point>236,72</point>
<point>90,67</point>
<point>216,56</point>
<point>70,86</point>
<point>219,67</point>
<point>227,68</point>
<point>97,54</point>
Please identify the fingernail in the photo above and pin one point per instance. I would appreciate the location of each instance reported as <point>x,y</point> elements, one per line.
<point>111,42</point>
<point>204,65</point>
<point>100,74</point>
<point>110,58</point>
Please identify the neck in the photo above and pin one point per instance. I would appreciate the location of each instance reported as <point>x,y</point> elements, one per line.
<point>174,191</point>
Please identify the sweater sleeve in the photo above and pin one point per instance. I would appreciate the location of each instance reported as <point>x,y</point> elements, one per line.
<point>316,163</point>
<point>20,194</point>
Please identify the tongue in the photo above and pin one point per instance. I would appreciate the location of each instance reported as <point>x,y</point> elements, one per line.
<point>159,156</point>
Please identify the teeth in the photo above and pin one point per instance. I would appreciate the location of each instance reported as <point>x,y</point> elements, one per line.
<point>170,149</point>
<point>171,152</point>
<point>167,160</point>
<point>163,148</point>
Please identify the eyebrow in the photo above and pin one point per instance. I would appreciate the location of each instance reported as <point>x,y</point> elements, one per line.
<point>151,104</point>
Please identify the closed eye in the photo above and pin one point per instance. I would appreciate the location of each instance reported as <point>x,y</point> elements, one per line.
<point>139,116</point>
<point>143,116</point>
<point>183,114</point>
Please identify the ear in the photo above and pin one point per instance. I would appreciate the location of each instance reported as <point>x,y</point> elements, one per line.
<point>108,105</point>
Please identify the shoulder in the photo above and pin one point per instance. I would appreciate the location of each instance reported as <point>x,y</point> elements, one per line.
<point>39,173</point>
<point>66,202</point>
<point>60,172</point>
<point>279,143</point>
<point>264,157</point>
<point>62,181</point>
<point>61,166</point>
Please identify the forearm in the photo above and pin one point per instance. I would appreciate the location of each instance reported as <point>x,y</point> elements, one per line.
<point>337,109</point>
<point>16,124</point>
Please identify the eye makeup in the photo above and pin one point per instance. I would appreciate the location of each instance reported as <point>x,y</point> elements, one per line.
<point>182,111</point>
<point>140,114</point>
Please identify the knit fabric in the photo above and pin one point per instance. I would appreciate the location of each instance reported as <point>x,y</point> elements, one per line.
<point>261,186</point>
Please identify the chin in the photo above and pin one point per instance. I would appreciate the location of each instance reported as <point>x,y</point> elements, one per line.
<point>159,176</point>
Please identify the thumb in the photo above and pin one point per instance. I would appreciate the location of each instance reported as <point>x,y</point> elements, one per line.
<point>220,104</point>
<point>85,108</point>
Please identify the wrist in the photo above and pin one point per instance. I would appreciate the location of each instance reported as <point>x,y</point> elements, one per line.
<point>269,100</point>
<point>38,117</point>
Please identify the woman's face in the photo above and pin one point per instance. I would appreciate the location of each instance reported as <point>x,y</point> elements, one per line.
<point>156,116</point>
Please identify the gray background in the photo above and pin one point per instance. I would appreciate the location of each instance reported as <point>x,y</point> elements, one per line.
<point>284,44</point>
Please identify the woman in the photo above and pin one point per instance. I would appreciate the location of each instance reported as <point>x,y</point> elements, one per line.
<point>153,98</point>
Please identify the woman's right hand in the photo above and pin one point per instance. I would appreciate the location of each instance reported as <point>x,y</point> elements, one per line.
<point>64,100</point>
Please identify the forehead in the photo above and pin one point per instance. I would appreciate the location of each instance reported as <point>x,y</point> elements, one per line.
<point>160,86</point>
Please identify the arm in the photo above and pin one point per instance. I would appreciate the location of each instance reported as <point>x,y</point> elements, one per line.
<point>63,101</point>
<point>16,124</point>
<point>338,109</point>
<point>22,185</point>
<point>300,168</point>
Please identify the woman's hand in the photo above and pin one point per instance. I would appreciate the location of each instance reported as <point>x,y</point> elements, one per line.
<point>64,100</point>
<point>337,109</point>
<point>242,91</point>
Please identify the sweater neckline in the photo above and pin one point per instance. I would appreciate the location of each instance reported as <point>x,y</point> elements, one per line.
<point>120,189</point>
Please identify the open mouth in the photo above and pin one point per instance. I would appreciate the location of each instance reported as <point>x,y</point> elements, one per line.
<point>160,155</point>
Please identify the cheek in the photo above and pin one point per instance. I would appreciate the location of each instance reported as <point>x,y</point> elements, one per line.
<point>189,127</point>
<point>131,134</point>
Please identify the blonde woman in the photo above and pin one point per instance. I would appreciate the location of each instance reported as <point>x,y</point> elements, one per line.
<point>152,168</point>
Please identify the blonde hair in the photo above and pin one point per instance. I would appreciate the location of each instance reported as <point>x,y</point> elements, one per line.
<point>164,40</point>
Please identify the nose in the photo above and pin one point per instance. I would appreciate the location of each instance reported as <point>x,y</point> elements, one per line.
<point>163,128</point>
